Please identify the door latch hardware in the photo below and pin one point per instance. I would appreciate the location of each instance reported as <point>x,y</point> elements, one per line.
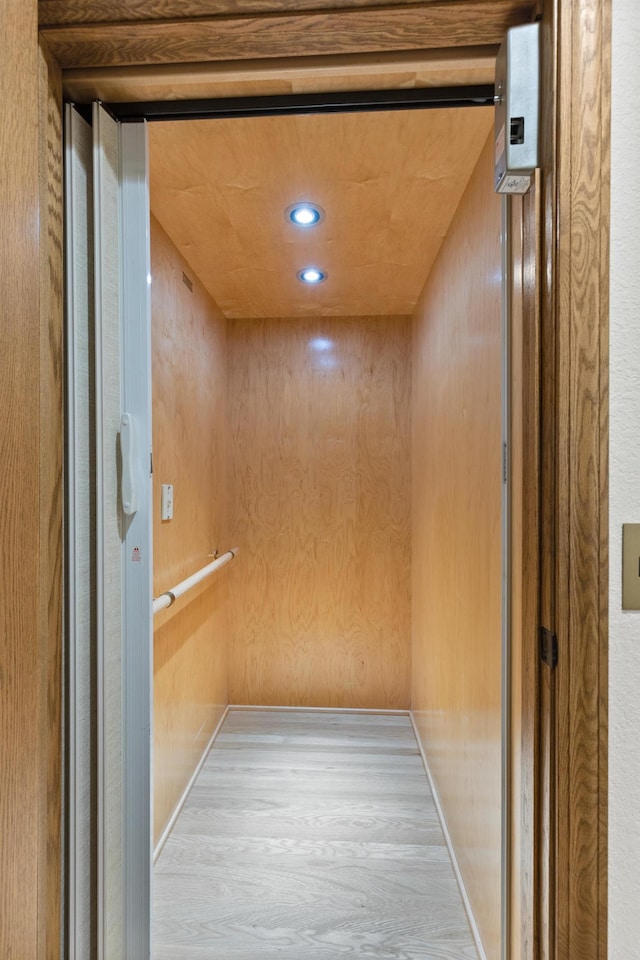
<point>128,453</point>
<point>548,647</point>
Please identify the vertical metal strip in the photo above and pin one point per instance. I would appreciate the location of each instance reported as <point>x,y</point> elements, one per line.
<point>124,589</point>
<point>100,766</point>
<point>79,673</point>
<point>137,567</point>
<point>108,336</point>
<point>71,553</point>
<point>506,580</point>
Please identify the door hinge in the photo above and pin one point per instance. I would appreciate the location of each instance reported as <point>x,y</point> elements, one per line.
<point>548,647</point>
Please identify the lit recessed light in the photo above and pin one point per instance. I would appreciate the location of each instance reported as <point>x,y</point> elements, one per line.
<point>311,275</point>
<point>304,214</point>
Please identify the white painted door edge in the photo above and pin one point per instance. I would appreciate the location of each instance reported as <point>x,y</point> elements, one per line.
<point>137,546</point>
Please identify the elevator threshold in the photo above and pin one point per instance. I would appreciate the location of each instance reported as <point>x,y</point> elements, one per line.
<point>309,835</point>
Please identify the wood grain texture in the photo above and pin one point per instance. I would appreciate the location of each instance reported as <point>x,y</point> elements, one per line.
<point>19,40</point>
<point>456,544</point>
<point>319,506</point>
<point>383,71</point>
<point>603,214</point>
<point>24,683</point>
<point>363,30</point>
<point>309,835</point>
<point>389,184</point>
<point>189,450</point>
<point>575,318</point>
<point>545,868</point>
<point>107,11</point>
<point>51,453</point>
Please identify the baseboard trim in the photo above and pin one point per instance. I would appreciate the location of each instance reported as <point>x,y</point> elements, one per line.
<point>447,836</point>
<point>361,710</point>
<point>185,793</point>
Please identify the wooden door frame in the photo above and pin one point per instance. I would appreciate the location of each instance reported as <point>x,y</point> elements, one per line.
<point>567,424</point>
<point>573,496</point>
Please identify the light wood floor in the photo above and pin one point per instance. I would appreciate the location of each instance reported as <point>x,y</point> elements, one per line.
<point>309,836</point>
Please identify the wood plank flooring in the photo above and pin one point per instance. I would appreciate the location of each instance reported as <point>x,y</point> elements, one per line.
<point>309,836</point>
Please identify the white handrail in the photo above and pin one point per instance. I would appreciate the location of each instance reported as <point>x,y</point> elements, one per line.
<point>170,596</point>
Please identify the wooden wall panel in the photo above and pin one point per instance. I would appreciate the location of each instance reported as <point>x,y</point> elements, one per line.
<point>319,487</point>
<point>189,450</point>
<point>456,546</point>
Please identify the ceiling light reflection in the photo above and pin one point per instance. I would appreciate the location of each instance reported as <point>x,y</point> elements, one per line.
<point>321,344</point>
<point>323,355</point>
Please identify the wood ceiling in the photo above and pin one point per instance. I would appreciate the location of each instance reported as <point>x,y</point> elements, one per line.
<point>220,189</point>
<point>388,182</point>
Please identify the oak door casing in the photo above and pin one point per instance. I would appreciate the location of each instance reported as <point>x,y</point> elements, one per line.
<point>63,12</point>
<point>31,456</point>
<point>51,455</point>
<point>574,477</point>
<point>325,32</point>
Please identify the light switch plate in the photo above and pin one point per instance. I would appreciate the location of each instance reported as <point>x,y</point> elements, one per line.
<point>166,505</point>
<point>631,566</point>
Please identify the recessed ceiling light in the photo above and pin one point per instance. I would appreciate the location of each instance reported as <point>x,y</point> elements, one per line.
<point>311,275</point>
<point>304,214</point>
